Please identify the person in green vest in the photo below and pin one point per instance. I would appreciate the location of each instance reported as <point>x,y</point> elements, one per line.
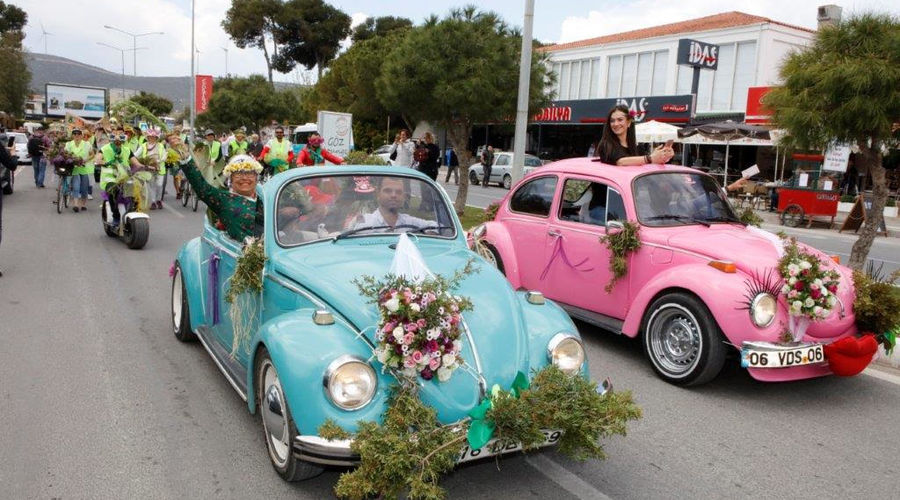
<point>153,154</point>
<point>114,159</point>
<point>238,145</point>
<point>278,153</point>
<point>212,172</point>
<point>81,174</point>
<point>132,141</point>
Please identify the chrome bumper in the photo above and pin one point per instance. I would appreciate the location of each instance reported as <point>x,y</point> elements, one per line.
<point>317,450</point>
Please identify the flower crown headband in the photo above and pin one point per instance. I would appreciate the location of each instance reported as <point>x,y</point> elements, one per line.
<point>242,163</point>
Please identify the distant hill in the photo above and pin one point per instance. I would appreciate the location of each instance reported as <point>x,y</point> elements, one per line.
<point>47,68</point>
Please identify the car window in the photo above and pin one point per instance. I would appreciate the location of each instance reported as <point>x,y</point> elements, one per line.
<point>20,139</point>
<point>310,209</point>
<point>678,198</point>
<point>589,202</point>
<point>534,197</point>
<point>532,161</point>
<point>502,160</point>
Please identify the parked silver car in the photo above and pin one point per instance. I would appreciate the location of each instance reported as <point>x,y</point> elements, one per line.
<point>501,172</point>
<point>19,141</point>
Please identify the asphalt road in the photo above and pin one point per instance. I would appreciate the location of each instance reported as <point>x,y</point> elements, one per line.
<point>100,401</point>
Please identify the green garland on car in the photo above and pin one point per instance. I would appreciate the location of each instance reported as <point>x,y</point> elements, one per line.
<point>410,451</point>
<point>620,244</point>
<point>244,287</point>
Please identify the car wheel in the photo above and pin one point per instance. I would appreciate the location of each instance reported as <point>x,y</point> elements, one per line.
<point>181,314</point>
<point>473,178</point>
<point>278,425</point>
<point>507,181</point>
<point>682,340</point>
<point>8,188</point>
<point>490,254</point>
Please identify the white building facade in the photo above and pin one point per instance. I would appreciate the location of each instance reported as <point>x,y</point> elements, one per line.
<point>643,62</point>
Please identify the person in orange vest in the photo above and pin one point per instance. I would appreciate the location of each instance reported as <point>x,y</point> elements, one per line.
<point>314,154</point>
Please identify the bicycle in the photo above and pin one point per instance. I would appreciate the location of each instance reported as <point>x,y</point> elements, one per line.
<point>188,195</point>
<point>63,189</point>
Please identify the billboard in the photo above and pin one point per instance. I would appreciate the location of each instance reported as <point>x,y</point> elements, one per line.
<point>670,109</point>
<point>756,112</point>
<point>84,102</point>
<point>698,54</point>
<point>203,92</point>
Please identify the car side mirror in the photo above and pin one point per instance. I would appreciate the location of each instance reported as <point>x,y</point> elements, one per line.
<point>614,226</point>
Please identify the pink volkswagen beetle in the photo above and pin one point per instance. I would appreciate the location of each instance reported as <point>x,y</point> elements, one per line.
<point>702,284</point>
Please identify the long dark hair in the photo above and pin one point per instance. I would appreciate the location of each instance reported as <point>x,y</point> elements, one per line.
<point>609,141</point>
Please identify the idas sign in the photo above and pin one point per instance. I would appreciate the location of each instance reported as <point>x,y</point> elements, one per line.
<point>671,109</point>
<point>698,54</point>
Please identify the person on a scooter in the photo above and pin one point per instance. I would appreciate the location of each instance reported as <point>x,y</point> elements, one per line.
<point>114,159</point>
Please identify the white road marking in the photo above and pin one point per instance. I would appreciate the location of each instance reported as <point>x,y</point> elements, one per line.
<point>881,375</point>
<point>565,479</point>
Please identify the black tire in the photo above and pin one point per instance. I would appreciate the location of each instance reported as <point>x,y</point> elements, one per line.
<point>473,178</point>
<point>106,228</point>
<point>66,194</point>
<point>490,254</point>
<point>59,197</point>
<point>682,340</point>
<point>181,313</point>
<point>274,413</point>
<point>8,189</point>
<point>196,202</point>
<point>507,181</point>
<point>137,231</point>
<point>185,196</point>
<point>792,216</point>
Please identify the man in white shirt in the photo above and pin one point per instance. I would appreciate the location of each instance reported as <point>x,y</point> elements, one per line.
<point>391,195</point>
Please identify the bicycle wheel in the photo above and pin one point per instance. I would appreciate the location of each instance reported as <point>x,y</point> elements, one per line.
<point>59,194</point>
<point>185,193</point>
<point>67,191</point>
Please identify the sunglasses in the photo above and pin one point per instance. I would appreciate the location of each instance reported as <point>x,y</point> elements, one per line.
<point>122,137</point>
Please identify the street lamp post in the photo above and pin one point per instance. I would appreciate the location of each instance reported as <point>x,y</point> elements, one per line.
<point>193,79</point>
<point>226,60</point>
<point>134,37</point>
<point>122,51</point>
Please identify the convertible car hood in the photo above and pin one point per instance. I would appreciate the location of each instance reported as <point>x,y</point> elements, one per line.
<point>495,323</point>
<point>751,249</point>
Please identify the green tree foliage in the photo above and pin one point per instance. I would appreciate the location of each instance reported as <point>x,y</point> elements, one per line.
<point>310,32</point>
<point>16,77</point>
<point>349,86</point>
<point>250,23</point>
<point>248,102</point>
<point>12,18</point>
<point>158,105</point>
<point>379,26</point>
<point>846,87</point>
<point>458,71</point>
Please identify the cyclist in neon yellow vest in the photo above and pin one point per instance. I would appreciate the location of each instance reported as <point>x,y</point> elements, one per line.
<point>114,160</point>
<point>278,150</point>
<point>81,175</point>
<point>212,173</point>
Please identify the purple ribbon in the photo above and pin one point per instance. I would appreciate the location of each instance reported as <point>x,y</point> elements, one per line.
<point>212,276</point>
<point>559,251</point>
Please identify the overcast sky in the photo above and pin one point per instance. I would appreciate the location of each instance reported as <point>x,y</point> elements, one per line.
<point>75,32</point>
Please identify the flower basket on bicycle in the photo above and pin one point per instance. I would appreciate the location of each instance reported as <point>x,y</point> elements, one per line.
<point>64,163</point>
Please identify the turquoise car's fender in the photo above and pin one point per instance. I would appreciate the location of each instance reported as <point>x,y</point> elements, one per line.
<point>188,258</point>
<point>301,352</point>
<point>543,322</point>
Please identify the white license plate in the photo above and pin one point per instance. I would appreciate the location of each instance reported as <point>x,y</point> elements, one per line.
<point>495,447</point>
<point>761,358</point>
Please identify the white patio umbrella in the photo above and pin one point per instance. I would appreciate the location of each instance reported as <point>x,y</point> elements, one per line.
<point>653,131</point>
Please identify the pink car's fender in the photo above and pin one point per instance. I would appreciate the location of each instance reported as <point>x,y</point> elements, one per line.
<point>722,293</point>
<point>497,236</point>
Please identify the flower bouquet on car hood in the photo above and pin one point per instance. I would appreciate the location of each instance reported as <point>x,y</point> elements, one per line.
<point>808,288</point>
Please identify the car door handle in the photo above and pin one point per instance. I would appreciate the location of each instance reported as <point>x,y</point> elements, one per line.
<point>554,233</point>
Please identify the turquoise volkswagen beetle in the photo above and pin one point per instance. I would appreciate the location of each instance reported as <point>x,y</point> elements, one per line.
<point>310,351</point>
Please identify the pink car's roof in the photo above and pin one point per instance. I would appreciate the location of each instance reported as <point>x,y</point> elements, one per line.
<point>620,175</point>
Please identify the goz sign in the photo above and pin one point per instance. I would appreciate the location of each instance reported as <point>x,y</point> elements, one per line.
<point>698,54</point>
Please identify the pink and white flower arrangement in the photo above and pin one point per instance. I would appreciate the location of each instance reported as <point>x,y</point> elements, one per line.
<point>420,328</point>
<point>809,287</point>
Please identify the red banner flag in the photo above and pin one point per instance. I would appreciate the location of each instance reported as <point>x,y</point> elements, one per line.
<point>204,90</point>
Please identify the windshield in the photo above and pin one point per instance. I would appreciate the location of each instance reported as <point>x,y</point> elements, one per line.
<point>667,199</point>
<point>532,161</point>
<point>342,206</point>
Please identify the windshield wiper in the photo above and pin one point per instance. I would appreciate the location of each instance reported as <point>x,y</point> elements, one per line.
<point>720,218</point>
<point>353,231</point>
<point>431,228</point>
<point>677,217</point>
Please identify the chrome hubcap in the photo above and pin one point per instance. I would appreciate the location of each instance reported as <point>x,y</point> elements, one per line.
<point>176,299</point>
<point>275,422</point>
<point>675,340</point>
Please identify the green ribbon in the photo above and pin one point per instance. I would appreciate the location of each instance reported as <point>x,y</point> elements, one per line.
<point>481,430</point>
<point>890,340</point>
<point>279,165</point>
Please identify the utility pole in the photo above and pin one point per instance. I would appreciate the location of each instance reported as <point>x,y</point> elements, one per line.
<point>134,37</point>
<point>524,86</point>
<point>226,60</point>
<point>123,60</point>
<point>193,78</point>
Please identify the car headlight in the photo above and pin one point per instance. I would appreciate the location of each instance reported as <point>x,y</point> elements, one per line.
<point>479,231</point>
<point>566,353</point>
<point>350,382</point>
<point>762,309</point>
